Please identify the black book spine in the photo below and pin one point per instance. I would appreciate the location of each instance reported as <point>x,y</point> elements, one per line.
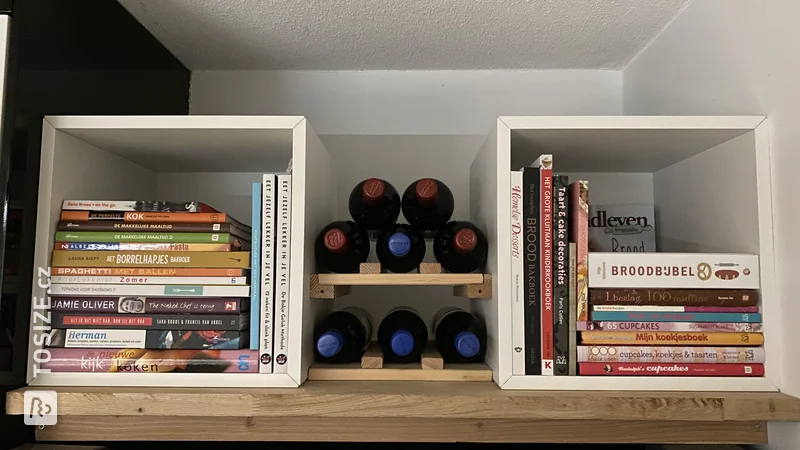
<point>531,197</point>
<point>192,322</point>
<point>561,276</point>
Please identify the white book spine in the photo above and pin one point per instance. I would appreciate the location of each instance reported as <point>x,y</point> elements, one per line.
<point>267,272</point>
<point>125,279</point>
<point>284,218</point>
<point>673,270</point>
<point>640,308</point>
<point>517,282</point>
<point>155,290</point>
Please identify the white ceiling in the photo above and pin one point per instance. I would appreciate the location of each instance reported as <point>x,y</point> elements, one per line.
<point>405,34</point>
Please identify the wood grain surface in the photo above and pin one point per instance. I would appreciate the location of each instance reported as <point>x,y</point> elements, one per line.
<point>399,279</point>
<point>398,372</point>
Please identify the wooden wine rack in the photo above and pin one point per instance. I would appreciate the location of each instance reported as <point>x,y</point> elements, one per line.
<point>333,285</point>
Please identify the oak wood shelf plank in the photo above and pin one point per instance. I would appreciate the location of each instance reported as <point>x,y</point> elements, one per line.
<point>205,428</point>
<point>399,279</point>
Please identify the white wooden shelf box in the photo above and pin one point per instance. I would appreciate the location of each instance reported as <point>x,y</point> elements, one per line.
<point>708,178</point>
<point>213,159</point>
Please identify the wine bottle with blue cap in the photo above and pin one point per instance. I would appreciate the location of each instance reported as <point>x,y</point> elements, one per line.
<point>374,204</point>
<point>341,247</point>
<point>400,248</point>
<point>460,336</point>
<point>402,335</point>
<point>343,336</point>
<point>428,204</point>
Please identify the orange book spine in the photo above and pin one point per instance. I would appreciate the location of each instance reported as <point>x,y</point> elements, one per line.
<point>670,338</point>
<point>147,271</point>
<point>135,216</point>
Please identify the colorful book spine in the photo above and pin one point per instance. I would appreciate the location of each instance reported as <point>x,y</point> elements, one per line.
<point>267,298</point>
<point>675,370</point>
<point>545,165</point>
<point>134,205</point>
<point>108,236</point>
<point>255,266</point>
<point>670,338</point>
<point>153,322</point>
<point>282,261</point>
<point>173,290</point>
<point>573,308</point>
<point>147,271</point>
<point>141,246</point>
<point>674,270</point>
<point>160,227</point>
<point>122,360</point>
<point>659,354</point>
<point>517,275</point>
<point>561,319</point>
<point>149,259</point>
<point>213,281</point>
<point>649,308</point>
<point>666,297</point>
<point>621,316</point>
<point>80,216</point>
<point>579,234</point>
<point>718,327</point>
<point>148,339</point>
<point>148,305</point>
<point>531,198</point>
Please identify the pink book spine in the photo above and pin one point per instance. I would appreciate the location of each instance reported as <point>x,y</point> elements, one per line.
<point>151,361</point>
<point>659,354</point>
<point>722,309</point>
<point>670,326</point>
<point>676,370</point>
<point>579,234</point>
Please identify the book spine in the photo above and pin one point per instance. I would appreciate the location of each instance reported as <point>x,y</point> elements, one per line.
<point>517,275</point>
<point>622,316</point>
<point>212,281</point>
<point>144,216</point>
<point>151,259</point>
<point>107,236</point>
<point>650,308</point>
<point>561,319</point>
<point>683,297</point>
<point>187,227</point>
<point>717,327</point>
<point>141,246</point>
<point>545,165</point>
<point>147,271</point>
<point>267,281</point>
<point>283,255</point>
<point>579,234</point>
<point>676,370</point>
<point>148,339</point>
<point>573,309</point>
<point>149,289</point>
<point>255,266</point>
<point>532,271</point>
<point>674,270</point>
<point>148,305</point>
<point>154,322</point>
<point>122,360</point>
<point>705,355</point>
<point>141,206</point>
<point>670,338</point>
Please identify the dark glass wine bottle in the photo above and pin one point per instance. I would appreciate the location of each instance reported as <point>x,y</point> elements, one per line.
<point>460,247</point>
<point>374,204</point>
<point>460,336</point>
<point>341,247</point>
<point>428,204</point>
<point>400,248</point>
<point>402,335</point>
<point>343,336</point>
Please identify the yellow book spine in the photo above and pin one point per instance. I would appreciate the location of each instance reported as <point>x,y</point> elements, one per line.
<point>71,258</point>
<point>670,338</point>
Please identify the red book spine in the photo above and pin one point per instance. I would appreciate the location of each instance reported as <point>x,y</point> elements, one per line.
<point>545,163</point>
<point>670,369</point>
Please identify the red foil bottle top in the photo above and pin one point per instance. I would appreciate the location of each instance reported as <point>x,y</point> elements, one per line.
<point>465,240</point>
<point>336,240</point>
<point>427,189</point>
<point>373,189</point>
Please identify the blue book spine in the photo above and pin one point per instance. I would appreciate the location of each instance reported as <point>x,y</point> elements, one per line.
<point>646,316</point>
<point>255,268</point>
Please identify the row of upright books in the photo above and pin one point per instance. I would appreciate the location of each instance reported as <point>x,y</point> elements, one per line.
<point>153,287</point>
<point>632,311</point>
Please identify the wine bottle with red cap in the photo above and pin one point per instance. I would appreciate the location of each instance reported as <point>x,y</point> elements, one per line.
<point>402,335</point>
<point>460,336</point>
<point>400,248</point>
<point>460,247</point>
<point>341,247</point>
<point>374,204</point>
<point>343,336</point>
<point>428,204</point>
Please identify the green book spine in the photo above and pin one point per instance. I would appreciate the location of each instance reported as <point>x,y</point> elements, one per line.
<point>100,236</point>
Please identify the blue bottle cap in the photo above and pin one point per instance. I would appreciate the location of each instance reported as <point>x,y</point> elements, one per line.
<point>467,344</point>
<point>399,244</point>
<point>402,342</point>
<point>330,343</point>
